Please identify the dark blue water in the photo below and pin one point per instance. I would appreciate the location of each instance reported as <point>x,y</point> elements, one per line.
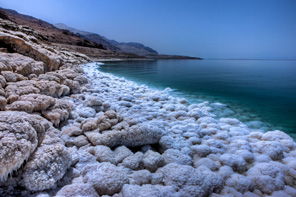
<point>254,89</point>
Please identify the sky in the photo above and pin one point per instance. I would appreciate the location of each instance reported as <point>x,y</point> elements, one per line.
<point>201,28</point>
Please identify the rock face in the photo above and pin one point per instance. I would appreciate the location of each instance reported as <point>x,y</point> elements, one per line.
<point>32,154</point>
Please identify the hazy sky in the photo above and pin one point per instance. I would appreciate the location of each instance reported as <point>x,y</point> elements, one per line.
<point>205,28</point>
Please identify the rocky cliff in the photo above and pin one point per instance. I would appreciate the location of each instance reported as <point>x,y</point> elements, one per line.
<point>34,78</point>
<point>49,34</point>
<point>124,47</point>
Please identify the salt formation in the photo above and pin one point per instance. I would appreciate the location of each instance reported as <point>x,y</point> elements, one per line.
<point>154,144</point>
<point>69,130</point>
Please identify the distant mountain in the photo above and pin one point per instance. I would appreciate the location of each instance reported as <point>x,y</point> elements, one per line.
<point>91,44</point>
<point>126,47</point>
<point>46,31</point>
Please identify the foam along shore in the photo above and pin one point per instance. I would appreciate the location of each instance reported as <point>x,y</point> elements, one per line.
<point>131,140</point>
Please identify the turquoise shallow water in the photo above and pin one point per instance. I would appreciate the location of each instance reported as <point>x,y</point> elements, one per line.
<point>252,89</point>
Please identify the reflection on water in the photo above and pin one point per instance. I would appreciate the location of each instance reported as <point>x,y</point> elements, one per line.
<point>253,89</point>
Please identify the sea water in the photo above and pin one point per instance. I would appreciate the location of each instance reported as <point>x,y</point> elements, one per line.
<point>254,91</point>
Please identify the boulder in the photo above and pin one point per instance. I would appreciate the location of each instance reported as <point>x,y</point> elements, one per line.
<point>176,156</point>
<point>134,161</point>
<point>104,154</point>
<point>137,135</point>
<point>147,191</point>
<point>120,153</point>
<point>106,178</point>
<point>152,160</point>
<point>59,112</point>
<point>32,103</point>
<point>77,189</point>
<point>237,162</point>
<point>140,177</point>
<point>267,177</point>
<point>47,165</point>
<point>191,181</point>
<point>20,134</point>
<point>12,77</point>
<point>3,102</point>
<point>2,80</point>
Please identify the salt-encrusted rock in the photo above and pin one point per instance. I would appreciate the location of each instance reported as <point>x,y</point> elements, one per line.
<point>21,64</point>
<point>136,136</point>
<point>32,103</point>
<point>2,81</point>
<point>197,182</point>
<point>231,121</point>
<point>134,161</point>
<point>225,172</point>
<point>275,150</point>
<point>72,130</point>
<point>3,102</point>
<point>235,161</point>
<point>140,177</point>
<point>78,141</point>
<point>84,159</point>
<point>247,155</point>
<point>267,177</point>
<point>279,194</point>
<point>49,88</point>
<point>156,178</point>
<point>89,124</point>
<point>109,119</point>
<point>170,142</point>
<point>25,106</point>
<point>12,77</point>
<point>176,174</point>
<point>207,162</point>
<point>87,112</point>
<point>2,92</point>
<point>93,101</point>
<point>176,156</point>
<point>47,165</point>
<point>106,178</point>
<point>275,136</point>
<point>77,189</point>
<point>20,134</point>
<point>42,194</point>
<point>104,122</point>
<point>59,112</point>
<point>120,153</point>
<point>104,154</point>
<point>290,190</point>
<point>147,191</point>
<point>73,85</point>
<point>152,160</point>
<point>199,112</point>
<point>240,183</point>
<point>201,150</point>
<point>229,192</point>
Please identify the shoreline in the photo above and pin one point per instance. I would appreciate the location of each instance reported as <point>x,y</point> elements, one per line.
<point>225,150</point>
<point>67,129</point>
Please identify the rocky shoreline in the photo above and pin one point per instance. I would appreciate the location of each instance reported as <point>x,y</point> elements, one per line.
<point>67,129</point>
